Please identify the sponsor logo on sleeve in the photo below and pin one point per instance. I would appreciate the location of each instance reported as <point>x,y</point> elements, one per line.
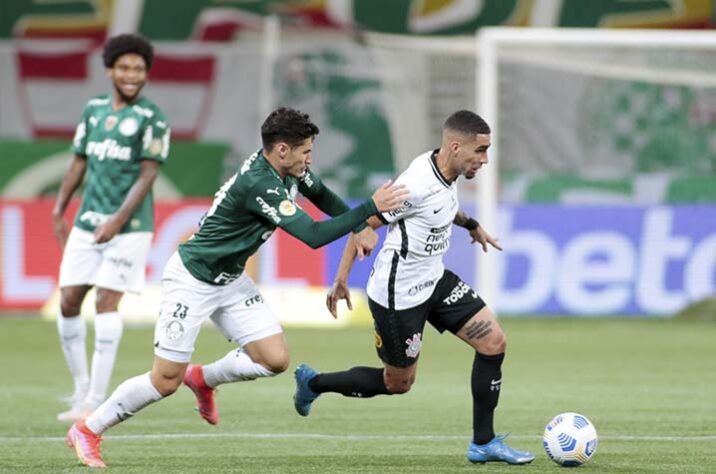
<point>287,208</point>
<point>155,147</point>
<point>406,205</point>
<point>268,210</point>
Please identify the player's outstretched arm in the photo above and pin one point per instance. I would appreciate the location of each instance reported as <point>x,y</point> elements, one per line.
<point>148,173</point>
<point>317,234</point>
<point>339,290</point>
<point>477,233</point>
<point>70,182</point>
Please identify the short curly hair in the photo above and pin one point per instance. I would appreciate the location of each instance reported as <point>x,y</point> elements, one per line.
<point>287,125</point>
<point>124,44</point>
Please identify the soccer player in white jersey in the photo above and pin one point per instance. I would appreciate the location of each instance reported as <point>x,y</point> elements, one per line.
<point>409,285</point>
<point>120,143</point>
<point>205,279</point>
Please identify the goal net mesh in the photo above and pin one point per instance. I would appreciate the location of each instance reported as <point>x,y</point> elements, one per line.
<point>577,123</point>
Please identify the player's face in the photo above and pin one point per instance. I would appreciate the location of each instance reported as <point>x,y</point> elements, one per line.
<point>471,155</point>
<point>128,75</point>
<point>298,158</point>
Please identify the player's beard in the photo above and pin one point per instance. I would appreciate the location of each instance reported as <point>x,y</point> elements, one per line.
<point>125,98</point>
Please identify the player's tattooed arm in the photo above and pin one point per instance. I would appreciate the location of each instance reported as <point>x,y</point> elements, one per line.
<point>477,233</point>
<point>465,221</point>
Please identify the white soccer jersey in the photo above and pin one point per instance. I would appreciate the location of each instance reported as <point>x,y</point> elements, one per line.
<point>410,262</point>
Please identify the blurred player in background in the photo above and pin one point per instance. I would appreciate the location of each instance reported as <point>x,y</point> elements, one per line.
<point>205,278</point>
<point>120,143</point>
<point>409,285</point>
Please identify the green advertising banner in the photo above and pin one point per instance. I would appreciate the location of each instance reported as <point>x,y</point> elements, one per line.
<point>31,169</point>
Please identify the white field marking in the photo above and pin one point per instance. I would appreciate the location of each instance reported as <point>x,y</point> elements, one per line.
<point>338,437</point>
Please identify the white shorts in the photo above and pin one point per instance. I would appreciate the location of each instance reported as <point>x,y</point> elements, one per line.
<point>117,265</point>
<point>238,309</point>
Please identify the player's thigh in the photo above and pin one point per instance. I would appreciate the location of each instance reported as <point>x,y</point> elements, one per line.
<point>186,304</point>
<point>81,259</point>
<point>459,309</point>
<point>124,259</point>
<point>398,333</point>
<point>245,318</point>
<point>484,333</point>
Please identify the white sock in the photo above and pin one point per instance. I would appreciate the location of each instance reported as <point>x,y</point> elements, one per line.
<point>107,334</point>
<point>131,396</point>
<point>73,332</point>
<point>234,367</point>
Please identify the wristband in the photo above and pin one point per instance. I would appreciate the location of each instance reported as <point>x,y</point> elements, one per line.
<point>471,224</point>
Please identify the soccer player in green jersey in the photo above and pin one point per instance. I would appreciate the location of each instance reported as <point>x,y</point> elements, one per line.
<point>206,279</point>
<point>120,143</point>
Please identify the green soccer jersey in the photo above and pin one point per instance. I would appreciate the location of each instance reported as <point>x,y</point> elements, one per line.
<point>248,208</point>
<point>114,143</point>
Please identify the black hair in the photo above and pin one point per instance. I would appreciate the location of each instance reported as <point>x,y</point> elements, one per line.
<point>466,122</point>
<point>124,44</point>
<point>286,125</point>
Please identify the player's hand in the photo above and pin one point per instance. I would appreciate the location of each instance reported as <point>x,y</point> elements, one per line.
<point>60,229</point>
<point>390,196</point>
<point>483,238</point>
<point>107,231</point>
<point>339,291</point>
<point>365,241</point>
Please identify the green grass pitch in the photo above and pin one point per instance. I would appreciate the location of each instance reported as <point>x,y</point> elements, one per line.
<point>648,386</point>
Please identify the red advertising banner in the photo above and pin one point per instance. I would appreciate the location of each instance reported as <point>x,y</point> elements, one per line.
<point>30,257</point>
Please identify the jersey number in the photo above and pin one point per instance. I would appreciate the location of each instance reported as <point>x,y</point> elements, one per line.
<point>180,311</point>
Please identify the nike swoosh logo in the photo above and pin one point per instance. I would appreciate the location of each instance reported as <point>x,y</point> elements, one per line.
<point>435,211</point>
<point>495,382</point>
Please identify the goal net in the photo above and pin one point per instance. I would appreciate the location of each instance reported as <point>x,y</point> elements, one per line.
<point>579,116</point>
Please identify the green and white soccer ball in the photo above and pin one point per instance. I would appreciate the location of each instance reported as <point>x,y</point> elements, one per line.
<point>570,439</point>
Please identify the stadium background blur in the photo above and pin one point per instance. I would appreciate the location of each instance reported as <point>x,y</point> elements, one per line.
<point>607,191</point>
<point>629,165</point>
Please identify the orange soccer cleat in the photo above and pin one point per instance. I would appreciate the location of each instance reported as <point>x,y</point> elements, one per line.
<point>194,379</point>
<point>86,444</point>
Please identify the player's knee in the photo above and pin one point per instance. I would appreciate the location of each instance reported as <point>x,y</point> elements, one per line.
<point>398,387</point>
<point>277,364</point>
<point>70,308</point>
<point>496,344</point>
<point>398,383</point>
<point>106,302</point>
<point>70,304</point>
<point>166,385</point>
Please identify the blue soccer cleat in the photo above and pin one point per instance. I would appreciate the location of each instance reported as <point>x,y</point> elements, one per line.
<point>304,396</point>
<point>497,450</point>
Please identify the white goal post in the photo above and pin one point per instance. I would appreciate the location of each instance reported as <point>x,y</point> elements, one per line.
<point>489,56</point>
